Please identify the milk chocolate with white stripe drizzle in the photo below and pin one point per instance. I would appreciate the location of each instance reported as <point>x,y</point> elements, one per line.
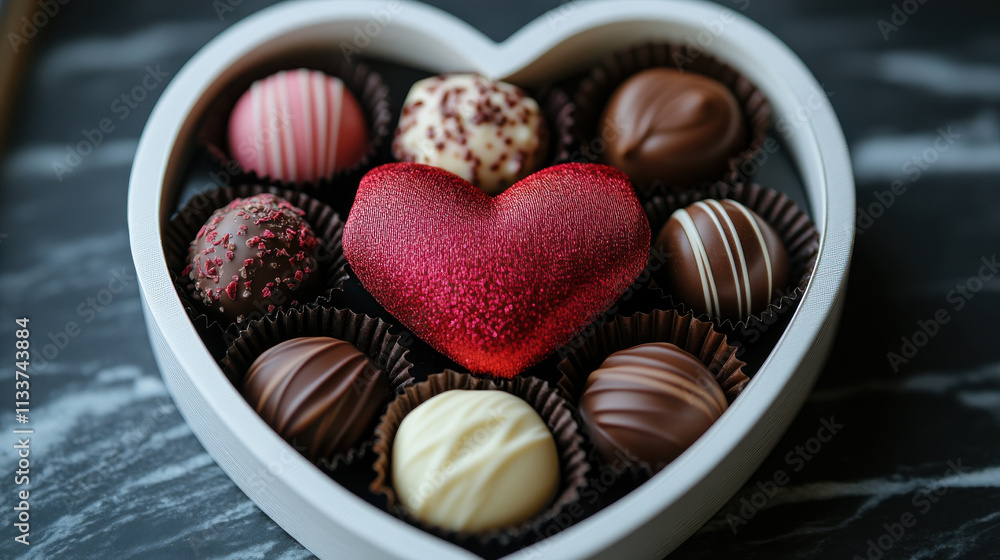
<point>725,260</point>
<point>297,126</point>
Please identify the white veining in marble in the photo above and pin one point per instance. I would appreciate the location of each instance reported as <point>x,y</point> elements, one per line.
<point>961,541</point>
<point>77,263</point>
<point>36,162</point>
<point>117,443</point>
<point>936,383</point>
<point>874,492</point>
<point>120,475</point>
<point>938,74</point>
<point>908,156</point>
<point>57,420</point>
<point>127,53</point>
<point>988,401</point>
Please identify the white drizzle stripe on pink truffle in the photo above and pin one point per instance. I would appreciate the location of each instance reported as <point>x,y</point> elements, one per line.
<point>310,142</point>
<point>288,139</point>
<point>318,90</point>
<point>274,150</point>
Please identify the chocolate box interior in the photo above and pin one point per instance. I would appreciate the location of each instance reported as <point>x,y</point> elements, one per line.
<point>203,172</point>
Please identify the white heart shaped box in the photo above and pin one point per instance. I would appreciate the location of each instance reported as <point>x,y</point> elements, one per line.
<point>652,520</point>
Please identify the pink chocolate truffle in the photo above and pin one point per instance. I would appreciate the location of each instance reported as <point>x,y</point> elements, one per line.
<point>297,126</point>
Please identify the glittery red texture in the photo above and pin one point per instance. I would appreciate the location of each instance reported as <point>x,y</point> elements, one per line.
<point>496,284</point>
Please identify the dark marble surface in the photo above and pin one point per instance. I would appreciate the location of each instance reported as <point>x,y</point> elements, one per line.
<point>116,473</point>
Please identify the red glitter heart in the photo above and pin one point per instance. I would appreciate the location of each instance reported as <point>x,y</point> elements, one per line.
<point>496,284</point>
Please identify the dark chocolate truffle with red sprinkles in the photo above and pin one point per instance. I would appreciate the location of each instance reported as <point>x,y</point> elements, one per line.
<point>253,256</point>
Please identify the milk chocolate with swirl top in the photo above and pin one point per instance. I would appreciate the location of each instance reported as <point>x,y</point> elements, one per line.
<point>650,402</point>
<point>319,393</point>
<point>679,128</point>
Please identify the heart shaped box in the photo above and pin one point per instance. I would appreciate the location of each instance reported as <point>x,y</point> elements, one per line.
<point>652,520</point>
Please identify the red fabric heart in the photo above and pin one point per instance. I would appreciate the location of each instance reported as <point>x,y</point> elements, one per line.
<point>496,284</point>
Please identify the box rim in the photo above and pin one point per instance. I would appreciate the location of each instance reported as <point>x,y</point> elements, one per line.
<point>820,138</point>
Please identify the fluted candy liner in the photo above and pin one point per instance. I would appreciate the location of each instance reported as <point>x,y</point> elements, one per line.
<point>559,112</point>
<point>596,89</point>
<point>586,353</point>
<point>699,338</point>
<point>796,230</point>
<point>218,331</point>
<point>375,338</point>
<point>360,80</point>
<point>558,414</point>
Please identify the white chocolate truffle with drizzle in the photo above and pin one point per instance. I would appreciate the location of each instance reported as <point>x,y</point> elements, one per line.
<point>474,461</point>
<point>489,133</point>
<point>725,260</point>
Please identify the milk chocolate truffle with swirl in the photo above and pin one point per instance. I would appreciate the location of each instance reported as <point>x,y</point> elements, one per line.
<point>319,393</point>
<point>678,128</point>
<point>651,402</point>
<point>725,260</point>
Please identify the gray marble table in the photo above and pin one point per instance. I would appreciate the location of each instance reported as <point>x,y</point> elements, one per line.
<point>913,470</point>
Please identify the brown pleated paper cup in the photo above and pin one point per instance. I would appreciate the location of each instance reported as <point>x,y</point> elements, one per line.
<point>797,232</point>
<point>698,338</point>
<point>373,337</point>
<point>219,331</point>
<point>366,86</point>
<point>559,113</point>
<point>557,414</point>
<point>590,135</point>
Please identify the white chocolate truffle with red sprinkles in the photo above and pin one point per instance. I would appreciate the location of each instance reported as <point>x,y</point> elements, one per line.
<point>489,133</point>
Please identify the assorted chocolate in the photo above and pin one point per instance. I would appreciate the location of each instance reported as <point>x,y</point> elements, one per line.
<point>495,258</point>
<point>474,461</point>
<point>725,260</point>
<point>489,133</point>
<point>649,403</point>
<point>253,256</point>
<point>319,393</point>
<point>297,126</point>
<point>679,128</point>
